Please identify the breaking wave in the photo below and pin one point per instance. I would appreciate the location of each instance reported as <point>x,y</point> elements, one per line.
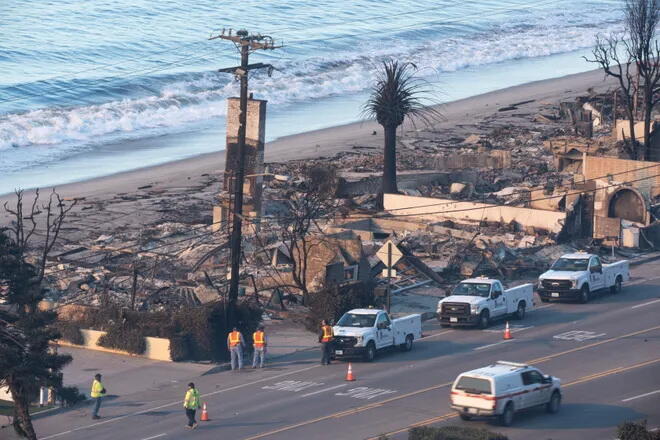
<point>145,105</point>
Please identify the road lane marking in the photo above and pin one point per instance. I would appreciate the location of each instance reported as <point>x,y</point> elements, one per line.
<point>641,395</point>
<point>514,328</point>
<point>576,382</point>
<point>493,345</point>
<point>645,304</point>
<point>178,402</point>
<point>435,334</point>
<point>292,385</point>
<point>594,344</point>
<point>155,436</point>
<point>578,335</point>
<point>324,390</point>
<point>365,392</point>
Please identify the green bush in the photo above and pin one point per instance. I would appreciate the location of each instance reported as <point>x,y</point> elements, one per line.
<point>453,433</point>
<point>69,396</point>
<point>333,301</point>
<point>121,337</point>
<point>70,332</point>
<point>636,431</point>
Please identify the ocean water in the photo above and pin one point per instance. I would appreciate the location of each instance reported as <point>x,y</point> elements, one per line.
<point>90,88</point>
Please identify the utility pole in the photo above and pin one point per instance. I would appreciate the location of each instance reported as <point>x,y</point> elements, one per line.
<point>245,43</point>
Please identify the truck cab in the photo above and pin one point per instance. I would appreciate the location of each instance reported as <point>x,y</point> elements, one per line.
<point>363,332</point>
<point>478,301</point>
<point>576,276</point>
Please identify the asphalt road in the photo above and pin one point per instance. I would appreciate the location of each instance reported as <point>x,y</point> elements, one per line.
<point>606,352</point>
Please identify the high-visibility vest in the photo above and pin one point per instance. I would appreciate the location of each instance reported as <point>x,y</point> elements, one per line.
<point>191,401</point>
<point>259,340</point>
<point>327,333</point>
<point>234,339</point>
<point>97,389</point>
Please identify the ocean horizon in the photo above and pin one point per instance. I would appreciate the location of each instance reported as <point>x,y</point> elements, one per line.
<point>95,88</point>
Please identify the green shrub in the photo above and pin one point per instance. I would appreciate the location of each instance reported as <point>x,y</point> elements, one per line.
<point>636,431</point>
<point>331,302</point>
<point>453,433</point>
<point>70,332</point>
<point>124,338</point>
<point>69,396</point>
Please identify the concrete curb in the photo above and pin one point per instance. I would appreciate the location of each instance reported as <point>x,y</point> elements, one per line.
<point>644,260</point>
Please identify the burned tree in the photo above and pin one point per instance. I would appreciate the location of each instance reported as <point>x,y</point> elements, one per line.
<point>642,17</point>
<point>612,55</point>
<point>632,57</point>
<point>397,94</point>
<point>299,231</point>
<point>22,269</point>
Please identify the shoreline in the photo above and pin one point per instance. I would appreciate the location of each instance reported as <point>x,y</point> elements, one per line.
<point>327,142</point>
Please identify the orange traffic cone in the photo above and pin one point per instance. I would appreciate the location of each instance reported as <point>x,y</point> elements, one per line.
<point>507,332</point>
<point>205,415</point>
<point>349,373</point>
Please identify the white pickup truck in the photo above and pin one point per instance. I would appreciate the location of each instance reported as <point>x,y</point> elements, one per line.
<point>362,332</point>
<point>477,301</point>
<point>576,276</point>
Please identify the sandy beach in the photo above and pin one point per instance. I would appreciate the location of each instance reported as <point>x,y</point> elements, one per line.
<point>197,176</point>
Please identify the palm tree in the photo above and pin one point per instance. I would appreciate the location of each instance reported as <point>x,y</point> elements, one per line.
<point>397,94</point>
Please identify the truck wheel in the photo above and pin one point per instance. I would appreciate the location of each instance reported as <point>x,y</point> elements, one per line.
<point>484,320</point>
<point>506,419</point>
<point>553,405</point>
<point>616,288</point>
<point>407,346</point>
<point>584,294</point>
<point>520,313</point>
<point>370,354</point>
<point>465,417</point>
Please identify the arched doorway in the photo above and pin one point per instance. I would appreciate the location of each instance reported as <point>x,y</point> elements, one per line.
<point>629,205</point>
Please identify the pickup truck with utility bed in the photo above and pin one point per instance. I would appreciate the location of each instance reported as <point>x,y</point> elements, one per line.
<point>363,332</point>
<point>577,276</point>
<point>478,301</point>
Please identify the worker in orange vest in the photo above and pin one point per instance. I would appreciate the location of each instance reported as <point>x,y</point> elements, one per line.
<point>326,337</point>
<point>235,343</point>
<point>259,343</point>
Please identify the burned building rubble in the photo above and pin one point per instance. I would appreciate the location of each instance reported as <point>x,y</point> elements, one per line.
<point>503,197</point>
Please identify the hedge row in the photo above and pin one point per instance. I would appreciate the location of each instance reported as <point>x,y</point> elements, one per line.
<point>453,433</point>
<point>195,333</point>
<point>636,431</point>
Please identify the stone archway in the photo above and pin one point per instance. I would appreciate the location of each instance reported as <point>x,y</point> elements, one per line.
<point>627,204</point>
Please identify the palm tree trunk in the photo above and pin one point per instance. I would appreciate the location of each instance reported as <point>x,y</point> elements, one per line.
<point>389,161</point>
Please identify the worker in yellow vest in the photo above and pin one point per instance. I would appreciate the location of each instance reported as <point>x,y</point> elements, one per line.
<point>191,403</point>
<point>235,344</point>
<point>326,337</point>
<point>259,343</point>
<point>97,393</point>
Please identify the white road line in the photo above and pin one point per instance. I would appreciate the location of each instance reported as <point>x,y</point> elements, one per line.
<point>492,345</point>
<point>435,334</point>
<point>155,436</point>
<point>178,402</point>
<point>324,390</point>
<point>645,304</point>
<point>640,396</point>
<point>542,307</point>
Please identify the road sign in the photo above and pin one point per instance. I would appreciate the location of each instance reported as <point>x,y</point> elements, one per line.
<point>392,273</point>
<point>382,253</point>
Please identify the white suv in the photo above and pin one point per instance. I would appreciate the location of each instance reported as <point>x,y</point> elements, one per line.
<point>501,389</point>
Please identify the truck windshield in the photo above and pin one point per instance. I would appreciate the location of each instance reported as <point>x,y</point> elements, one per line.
<point>355,320</point>
<point>571,264</point>
<point>473,289</point>
<point>473,385</point>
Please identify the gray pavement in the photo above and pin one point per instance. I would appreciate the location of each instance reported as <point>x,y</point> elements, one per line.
<point>606,352</point>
